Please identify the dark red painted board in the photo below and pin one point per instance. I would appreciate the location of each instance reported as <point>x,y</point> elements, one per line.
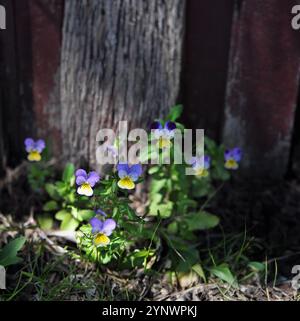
<point>262,86</point>
<point>207,42</point>
<point>46,29</point>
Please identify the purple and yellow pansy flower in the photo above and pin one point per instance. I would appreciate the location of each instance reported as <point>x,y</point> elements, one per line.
<point>232,158</point>
<point>34,149</point>
<point>128,175</point>
<point>102,230</point>
<point>163,134</point>
<point>86,182</point>
<point>201,165</point>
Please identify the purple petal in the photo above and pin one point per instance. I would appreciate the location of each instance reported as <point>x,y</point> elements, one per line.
<point>203,161</point>
<point>207,161</point>
<point>80,180</point>
<point>227,154</point>
<point>237,154</point>
<point>100,212</point>
<point>39,145</point>
<point>156,125</point>
<point>93,178</point>
<point>97,225</point>
<point>170,125</point>
<point>158,133</point>
<point>135,171</point>
<point>108,226</point>
<point>192,161</point>
<point>81,172</point>
<point>123,170</point>
<point>29,144</point>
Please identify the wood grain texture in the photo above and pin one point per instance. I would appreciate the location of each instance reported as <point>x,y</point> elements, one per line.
<point>121,60</point>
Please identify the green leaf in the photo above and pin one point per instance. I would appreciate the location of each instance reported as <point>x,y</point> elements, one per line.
<point>164,209</point>
<point>153,170</point>
<point>201,221</point>
<point>70,197</point>
<point>131,214</point>
<point>61,188</point>
<point>172,228</point>
<point>175,113</point>
<point>69,223</point>
<point>157,185</point>
<point>191,257</point>
<point>68,173</point>
<point>84,215</point>
<point>60,215</point>
<point>50,206</point>
<point>223,272</point>
<point>210,145</point>
<point>139,257</point>
<point>199,270</point>
<point>45,222</point>
<point>256,266</point>
<point>143,253</point>
<point>8,255</point>
<point>52,191</point>
<point>201,188</point>
<point>221,173</point>
<point>156,198</point>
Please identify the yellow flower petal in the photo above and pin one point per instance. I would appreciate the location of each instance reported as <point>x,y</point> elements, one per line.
<point>85,189</point>
<point>34,156</point>
<point>164,143</point>
<point>231,164</point>
<point>126,183</point>
<point>202,172</point>
<point>101,240</point>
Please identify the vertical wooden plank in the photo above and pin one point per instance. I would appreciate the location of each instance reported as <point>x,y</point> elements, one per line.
<point>2,149</point>
<point>263,85</point>
<point>46,30</point>
<point>208,28</point>
<point>16,80</point>
<point>31,56</point>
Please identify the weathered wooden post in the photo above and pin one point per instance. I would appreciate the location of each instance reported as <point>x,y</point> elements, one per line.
<point>121,60</point>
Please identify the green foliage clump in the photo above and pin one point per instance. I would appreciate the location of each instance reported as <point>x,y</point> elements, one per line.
<point>176,213</point>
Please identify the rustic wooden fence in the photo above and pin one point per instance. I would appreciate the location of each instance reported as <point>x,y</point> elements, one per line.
<point>239,78</point>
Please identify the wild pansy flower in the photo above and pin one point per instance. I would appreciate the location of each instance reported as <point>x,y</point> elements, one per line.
<point>128,175</point>
<point>163,134</point>
<point>102,230</point>
<point>34,149</point>
<point>201,165</point>
<point>86,182</point>
<point>232,158</point>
